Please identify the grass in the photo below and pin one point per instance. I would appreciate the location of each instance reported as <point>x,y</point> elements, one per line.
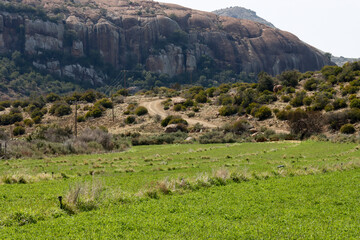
<point>306,190</point>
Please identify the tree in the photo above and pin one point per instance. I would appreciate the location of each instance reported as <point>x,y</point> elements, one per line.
<point>289,78</point>
<point>265,82</point>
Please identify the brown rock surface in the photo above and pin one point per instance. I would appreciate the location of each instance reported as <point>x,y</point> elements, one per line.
<point>128,33</point>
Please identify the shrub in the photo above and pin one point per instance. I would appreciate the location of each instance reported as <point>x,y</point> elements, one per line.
<point>28,122</point>
<point>224,99</point>
<point>285,98</point>
<point>282,115</point>
<point>320,101</point>
<point>130,120</point>
<point>80,119</point>
<point>238,127</point>
<point>339,103</point>
<point>5,104</point>
<point>311,84</point>
<point>289,78</point>
<point>52,97</point>
<point>227,110</point>
<point>122,92</point>
<point>88,96</point>
<point>354,115</point>
<point>329,108</point>
<point>336,120</point>
<point>178,120</point>
<point>347,129</point>
<point>140,111</point>
<point>11,118</point>
<point>37,119</point>
<point>263,113</point>
<point>297,101</point>
<point>307,101</point>
<point>60,109</point>
<point>265,82</point>
<point>178,107</point>
<point>188,103</point>
<point>201,98</point>
<point>19,130</point>
<point>106,103</point>
<point>355,103</point>
<point>95,112</point>
<point>52,133</point>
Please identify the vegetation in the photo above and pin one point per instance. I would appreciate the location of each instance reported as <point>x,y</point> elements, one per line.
<point>146,186</point>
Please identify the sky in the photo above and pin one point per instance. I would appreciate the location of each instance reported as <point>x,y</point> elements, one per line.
<point>329,25</point>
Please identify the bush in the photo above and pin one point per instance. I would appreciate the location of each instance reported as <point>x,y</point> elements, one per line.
<point>52,97</point>
<point>307,101</point>
<point>60,109</point>
<point>289,78</point>
<point>354,115</point>
<point>311,84</point>
<point>80,119</point>
<point>285,98</point>
<point>227,110</point>
<point>201,98</point>
<point>188,103</point>
<point>106,103</point>
<point>178,107</point>
<point>336,120</point>
<point>347,129</point>
<point>95,112</point>
<point>11,118</point>
<point>122,92</point>
<point>28,122</point>
<point>88,96</point>
<point>282,115</point>
<point>298,100</point>
<point>238,127</point>
<point>173,120</point>
<point>140,111</point>
<point>355,103</point>
<point>263,113</point>
<point>339,103</point>
<point>19,130</point>
<point>178,121</point>
<point>130,120</point>
<point>5,104</point>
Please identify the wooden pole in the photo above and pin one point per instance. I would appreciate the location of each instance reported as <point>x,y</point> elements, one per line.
<point>124,78</point>
<point>113,111</point>
<point>75,120</point>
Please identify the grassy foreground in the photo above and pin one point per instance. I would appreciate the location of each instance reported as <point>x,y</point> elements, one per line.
<point>289,190</point>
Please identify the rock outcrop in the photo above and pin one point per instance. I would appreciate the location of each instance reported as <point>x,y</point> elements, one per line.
<point>165,38</point>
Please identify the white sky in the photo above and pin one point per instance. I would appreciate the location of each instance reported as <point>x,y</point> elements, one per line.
<point>329,25</point>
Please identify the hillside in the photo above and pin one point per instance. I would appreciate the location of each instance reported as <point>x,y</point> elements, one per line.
<point>242,13</point>
<point>91,42</point>
<point>292,106</point>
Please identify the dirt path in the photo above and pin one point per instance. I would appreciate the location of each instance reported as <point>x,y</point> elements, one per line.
<point>155,107</point>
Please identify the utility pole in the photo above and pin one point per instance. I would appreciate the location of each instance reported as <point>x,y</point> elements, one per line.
<point>124,78</point>
<point>75,120</point>
<point>113,111</point>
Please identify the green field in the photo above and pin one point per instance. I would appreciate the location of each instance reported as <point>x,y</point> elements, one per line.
<point>282,190</point>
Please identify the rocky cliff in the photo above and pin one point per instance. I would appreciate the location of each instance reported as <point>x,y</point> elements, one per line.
<point>242,13</point>
<point>164,38</point>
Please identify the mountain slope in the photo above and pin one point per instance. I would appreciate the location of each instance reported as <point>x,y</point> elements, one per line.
<point>77,39</point>
<point>242,13</point>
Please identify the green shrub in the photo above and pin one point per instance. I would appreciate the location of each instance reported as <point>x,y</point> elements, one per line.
<point>347,129</point>
<point>178,107</point>
<point>307,101</point>
<point>88,96</point>
<point>123,92</point>
<point>297,101</point>
<point>285,98</point>
<point>282,115</point>
<point>28,122</point>
<point>263,113</point>
<point>201,98</point>
<point>140,111</point>
<point>5,104</point>
<point>178,121</point>
<point>339,103</point>
<point>37,119</point>
<point>355,103</point>
<point>188,103</point>
<point>227,110</point>
<point>224,99</point>
<point>60,109</point>
<point>11,118</point>
<point>18,131</point>
<point>329,108</point>
<point>52,97</point>
<point>95,112</point>
<point>105,102</point>
<point>130,120</point>
<point>80,119</point>
<point>354,115</point>
<point>311,84</point>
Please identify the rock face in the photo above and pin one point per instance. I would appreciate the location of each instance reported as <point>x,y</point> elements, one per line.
<point>242,13</point>
<point>165,38</point>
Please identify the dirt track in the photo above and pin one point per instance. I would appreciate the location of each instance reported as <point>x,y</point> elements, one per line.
<point>155,108</point>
